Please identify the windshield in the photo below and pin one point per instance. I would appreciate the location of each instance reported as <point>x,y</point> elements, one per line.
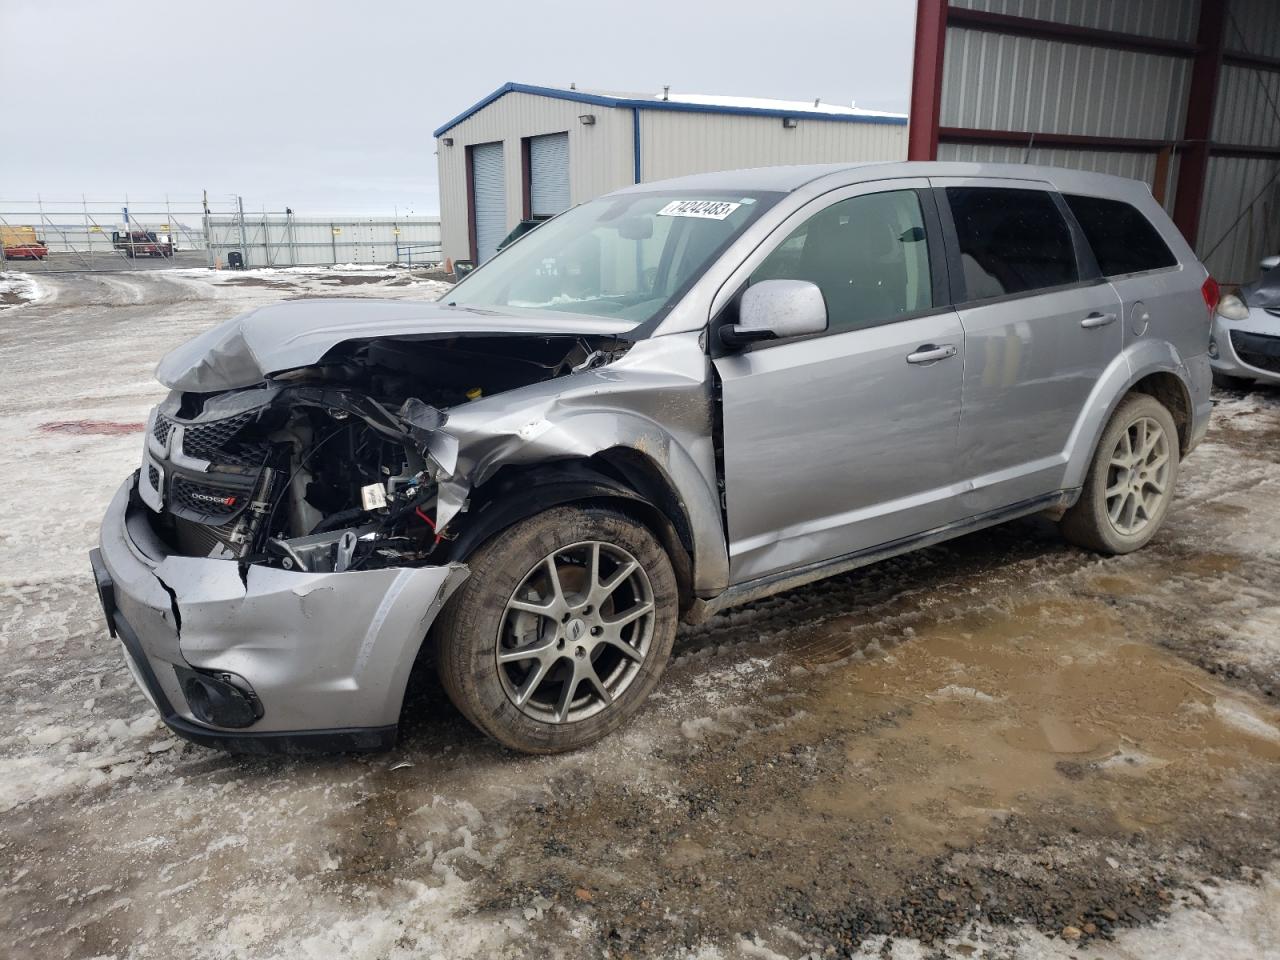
<point>629,257</point>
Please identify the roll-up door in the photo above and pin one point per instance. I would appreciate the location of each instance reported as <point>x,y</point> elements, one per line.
<point>549,174</point>
<point>488,198</point>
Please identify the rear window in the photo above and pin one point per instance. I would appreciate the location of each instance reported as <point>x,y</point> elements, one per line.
<point>1011,241</point>
<point>1123,240</point>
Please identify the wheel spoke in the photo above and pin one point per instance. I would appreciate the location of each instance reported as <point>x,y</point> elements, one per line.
<point>626,649</point>
<point>589,674</point>
<point>553,574</point>
<point>1113,509</point>
<point>619,577</point>
<point>1159,461</point>
<point>1116,488</point>
<point>533,681</point>
<point>1130,510</point>
<point>632,614</point>
<point>537,650</point>
<point>594,569</point>
<point>567,691</point>
<point>548,610</point>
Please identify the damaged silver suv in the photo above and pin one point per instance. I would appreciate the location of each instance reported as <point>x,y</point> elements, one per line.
<point>673,399</point>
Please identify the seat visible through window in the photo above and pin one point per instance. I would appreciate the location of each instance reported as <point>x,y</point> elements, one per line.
<point>868,255</point>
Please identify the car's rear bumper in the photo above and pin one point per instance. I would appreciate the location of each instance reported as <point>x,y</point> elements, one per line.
<point>285,660</point>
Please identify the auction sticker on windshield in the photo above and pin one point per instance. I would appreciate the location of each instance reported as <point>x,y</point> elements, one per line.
<point>706,209</point>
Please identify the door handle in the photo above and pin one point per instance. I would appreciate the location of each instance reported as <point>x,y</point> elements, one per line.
<point>929,353</point>
<point>1096,319</point>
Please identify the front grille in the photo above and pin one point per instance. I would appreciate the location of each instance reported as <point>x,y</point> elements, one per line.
<point>1257,350</point>
<point>154,476</point>
<point>213,502</point>
<point>162,428</point>
<point>213,441</point>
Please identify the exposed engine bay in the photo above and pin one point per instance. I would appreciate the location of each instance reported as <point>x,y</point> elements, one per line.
<point>337,466</point>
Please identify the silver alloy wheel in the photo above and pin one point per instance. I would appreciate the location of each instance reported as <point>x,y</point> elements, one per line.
<point>575,632</point>
<point>1138,476</point>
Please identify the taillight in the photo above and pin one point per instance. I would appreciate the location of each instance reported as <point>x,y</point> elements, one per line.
<point>1211,293</point>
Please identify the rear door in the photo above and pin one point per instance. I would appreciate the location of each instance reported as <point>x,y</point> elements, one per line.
<point>837,443</point>
<point>1040,327</point>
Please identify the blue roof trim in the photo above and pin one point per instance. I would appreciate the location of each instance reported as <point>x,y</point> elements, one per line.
<point>604,101</point>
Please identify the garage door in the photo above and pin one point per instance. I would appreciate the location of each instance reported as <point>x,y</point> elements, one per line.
<point>549,174</point>
<point>488,197</point>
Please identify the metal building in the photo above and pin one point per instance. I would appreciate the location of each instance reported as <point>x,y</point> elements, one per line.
<point>1184,94</point>
<point>527,152</point>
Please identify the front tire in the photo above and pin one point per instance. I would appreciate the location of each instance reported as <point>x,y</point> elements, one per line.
<point>561,631</point>
<point>1130,483</point>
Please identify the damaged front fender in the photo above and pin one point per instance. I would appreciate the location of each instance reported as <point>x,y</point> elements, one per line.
<point>654,401</point>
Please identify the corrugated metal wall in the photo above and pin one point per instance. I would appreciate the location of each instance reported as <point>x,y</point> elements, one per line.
<point>1240,213</point>
<point>1254,25</point>
<point>997,82</point>
<point>674,144</point>
<point>600,155</point>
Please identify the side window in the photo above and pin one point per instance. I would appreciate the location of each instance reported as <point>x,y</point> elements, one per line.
<point>1123,240</point>
<point>868,254</point>
<point>1011,241</point>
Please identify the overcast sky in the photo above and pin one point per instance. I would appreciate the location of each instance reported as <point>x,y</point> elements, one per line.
<point>327,106</point>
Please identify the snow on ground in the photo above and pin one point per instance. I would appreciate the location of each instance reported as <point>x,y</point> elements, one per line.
<point>19,288</point>
<point>1065,733</point>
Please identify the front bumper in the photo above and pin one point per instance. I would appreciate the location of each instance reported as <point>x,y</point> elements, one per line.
<point>323,657</point>
<point>1259,326</point>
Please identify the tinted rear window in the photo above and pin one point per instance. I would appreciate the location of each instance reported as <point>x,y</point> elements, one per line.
<point>1123,240</point>
<point>1011,241</point>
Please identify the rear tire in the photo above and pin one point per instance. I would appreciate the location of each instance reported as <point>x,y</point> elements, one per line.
<point>1130,483</point>
<point>543,666</point>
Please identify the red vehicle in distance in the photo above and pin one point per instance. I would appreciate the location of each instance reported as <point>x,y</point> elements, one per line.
<point>141,243</point>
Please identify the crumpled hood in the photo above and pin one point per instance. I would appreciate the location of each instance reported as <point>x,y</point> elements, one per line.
<point>1265,291</point>
<point>246,349</point>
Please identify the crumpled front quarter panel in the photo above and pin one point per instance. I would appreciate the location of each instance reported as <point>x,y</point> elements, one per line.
<point>655,400</point>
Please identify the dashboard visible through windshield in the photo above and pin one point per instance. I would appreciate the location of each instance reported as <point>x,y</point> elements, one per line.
<point>627,257</point>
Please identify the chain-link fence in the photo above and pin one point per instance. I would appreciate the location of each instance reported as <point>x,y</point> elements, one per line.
<point>97,235</point>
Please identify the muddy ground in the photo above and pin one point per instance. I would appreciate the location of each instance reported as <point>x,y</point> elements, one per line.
<point>998,747</point>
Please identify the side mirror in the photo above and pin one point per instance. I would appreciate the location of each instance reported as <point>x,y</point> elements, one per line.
<point>1270,263</point>
<point>772,309</point>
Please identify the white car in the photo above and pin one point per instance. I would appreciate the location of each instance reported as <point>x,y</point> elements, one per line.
<point>1246,332</point>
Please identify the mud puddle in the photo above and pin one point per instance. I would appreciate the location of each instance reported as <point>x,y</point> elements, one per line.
<point>1035,759</point>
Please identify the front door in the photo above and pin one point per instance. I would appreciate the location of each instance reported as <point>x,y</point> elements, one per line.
<point>841,442</point>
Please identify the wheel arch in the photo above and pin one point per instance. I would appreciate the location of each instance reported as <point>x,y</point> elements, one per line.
<point>620,477</point>
<point>1151,367</point>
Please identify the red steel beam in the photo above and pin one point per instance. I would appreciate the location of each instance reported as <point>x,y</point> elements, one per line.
<point>1205,71</point>
<point>1069,33</point>
<point>926,79</point>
